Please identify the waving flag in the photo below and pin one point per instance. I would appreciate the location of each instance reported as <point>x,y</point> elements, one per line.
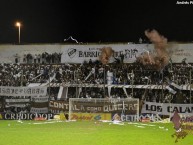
<point>176,120</point>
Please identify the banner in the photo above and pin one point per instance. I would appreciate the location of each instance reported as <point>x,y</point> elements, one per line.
<point>156,87</point>
<point>22,91</point>
<point>96,105</point>
<point>16,104</point>
<point>81,53</point>
<point>90,116</point>
<point>58,106</point>
<point>39,107</point>
<point>16,100</point>
<point>167,108</point>
<point>39,99</point>
<point>25,116</point>
<point>100,107</point>
<point>39,110</point>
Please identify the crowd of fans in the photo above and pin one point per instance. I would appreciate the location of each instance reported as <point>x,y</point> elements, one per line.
<point>97,74</point>
<point>44,58</point>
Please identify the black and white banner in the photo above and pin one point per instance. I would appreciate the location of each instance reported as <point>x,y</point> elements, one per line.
<point>167,108</point>
<point>22,91</point>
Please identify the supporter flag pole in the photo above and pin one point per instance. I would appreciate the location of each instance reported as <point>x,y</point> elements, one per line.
<point>123,110</point>
<point>20,96</point>
<point>132,83</point>
<point>76,82</point>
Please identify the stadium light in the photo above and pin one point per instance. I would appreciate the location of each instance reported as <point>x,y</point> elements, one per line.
<point>18,24</point>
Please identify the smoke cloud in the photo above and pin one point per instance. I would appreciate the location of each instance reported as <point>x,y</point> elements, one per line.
<point>160,58</point>
<point>106,53</point>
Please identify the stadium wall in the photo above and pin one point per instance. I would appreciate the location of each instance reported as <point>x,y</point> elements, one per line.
<point>79,53</point>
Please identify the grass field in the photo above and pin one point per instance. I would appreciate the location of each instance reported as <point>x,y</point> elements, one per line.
<point>87,133</point>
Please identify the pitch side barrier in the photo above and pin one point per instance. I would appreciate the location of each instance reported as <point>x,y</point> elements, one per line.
<point>102,109</point>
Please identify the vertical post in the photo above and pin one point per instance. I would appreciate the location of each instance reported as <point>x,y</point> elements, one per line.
<point>162,75</point>
<point>132,82</point>
<point>19,34</point>
<point>190,85</point>
<point>49,92</point>
<point>76,82</point>
<point>18,24</point>
<point>70,107</point>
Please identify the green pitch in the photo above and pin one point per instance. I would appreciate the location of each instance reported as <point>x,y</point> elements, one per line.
<point>87,133</point>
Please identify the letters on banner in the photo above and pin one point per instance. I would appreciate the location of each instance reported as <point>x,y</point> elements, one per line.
<point>167,108</point>
<point>23,91</point>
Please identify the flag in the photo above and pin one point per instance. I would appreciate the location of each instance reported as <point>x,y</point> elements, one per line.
<point>176,120</point>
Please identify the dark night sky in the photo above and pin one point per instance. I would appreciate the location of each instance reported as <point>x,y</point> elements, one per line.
<point>52,21</point>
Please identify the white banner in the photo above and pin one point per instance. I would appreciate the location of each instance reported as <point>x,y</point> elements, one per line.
<point>39,110</point>
<point>181,51</point>
<point>157,87</point>
<point>81,53</point>
<point>16,105</point>
<point>39,99</point>
<point>16,100</point>
<point>22,91</point>
<point>167,108</point>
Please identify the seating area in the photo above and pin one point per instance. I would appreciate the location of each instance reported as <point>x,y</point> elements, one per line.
<point>95,74</point>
